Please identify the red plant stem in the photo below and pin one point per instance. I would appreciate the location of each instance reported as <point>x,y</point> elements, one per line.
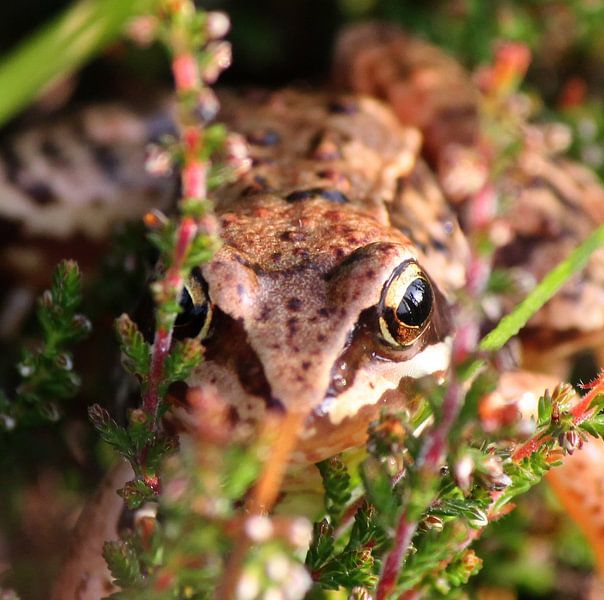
<point>580,413</point>
<point>171,285</point>
<point>413,594</point>
<point>430,461</point>
<point>436,444</point>
<point>404,534</point>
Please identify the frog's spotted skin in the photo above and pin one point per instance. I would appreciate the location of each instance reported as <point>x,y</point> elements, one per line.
<point>67,182</point>
<point>352,151</point>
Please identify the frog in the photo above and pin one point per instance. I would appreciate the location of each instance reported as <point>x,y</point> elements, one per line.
<point>334,288</point>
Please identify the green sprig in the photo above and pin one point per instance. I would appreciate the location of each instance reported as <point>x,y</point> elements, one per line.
<point>46,369</point>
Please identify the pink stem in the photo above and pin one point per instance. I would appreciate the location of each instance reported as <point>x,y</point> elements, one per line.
<point>404,534</point>
<point>580,412</point>
<point>172,284</point>
<point>433,453</point>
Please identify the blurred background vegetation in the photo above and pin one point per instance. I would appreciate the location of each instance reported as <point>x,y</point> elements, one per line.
<point>533,553</point>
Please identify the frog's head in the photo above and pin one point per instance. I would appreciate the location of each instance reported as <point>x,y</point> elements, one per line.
<point>315,307</point>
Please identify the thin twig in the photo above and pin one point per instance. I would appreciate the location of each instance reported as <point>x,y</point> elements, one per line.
<point>431,456</point>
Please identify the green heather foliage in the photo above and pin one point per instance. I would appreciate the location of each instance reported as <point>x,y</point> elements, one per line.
<point>46,367</point>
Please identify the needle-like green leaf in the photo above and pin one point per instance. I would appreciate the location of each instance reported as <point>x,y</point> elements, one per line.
<point>511,324</point>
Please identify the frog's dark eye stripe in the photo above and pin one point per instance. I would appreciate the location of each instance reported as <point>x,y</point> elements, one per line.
<point>196,317</point>
<point>406,305</point>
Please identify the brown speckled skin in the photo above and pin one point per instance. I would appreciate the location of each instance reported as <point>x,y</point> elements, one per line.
<point>308,245</point>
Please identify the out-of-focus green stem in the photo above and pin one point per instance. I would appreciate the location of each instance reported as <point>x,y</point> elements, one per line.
<point>511,324</point>
<point>60,46</point>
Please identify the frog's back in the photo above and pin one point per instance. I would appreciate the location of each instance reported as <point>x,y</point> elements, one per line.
<point>352,151</point>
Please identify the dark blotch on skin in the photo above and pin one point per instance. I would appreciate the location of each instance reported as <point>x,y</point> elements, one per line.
<point>334,196</point>
<point>275,404</point>
<point>438,245</point>
<point>306,365</point>
<point>105,157</point>
<point>12,163</point>
<point>343,106</point>
<point>448,226</point>
<point>265,313</point>
<point>299,195</point>
<point>263,137</point>
<point>292,236</point>
<point>292,326</point>
<point>40,193</point>
<point>51,151</point>
<point>294,304</point>
<point>260,185</point>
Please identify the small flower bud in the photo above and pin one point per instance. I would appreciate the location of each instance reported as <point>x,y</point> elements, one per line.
<point>50,411</point>
<point>64,362</point>
<point>300,533</point>
<point>46,299</point>
<point>258,528</point>
<point>207,105</point>
<point>8,422</point>
<point>25,370</point>
<point>570,441</point>
<point>220,57</point>
<point>298,583</point>
<point>277,567</point>
<point>359,593</point>
<point>463,472</point>
<point>217,24</point>
<point>434,522</point>
<point>158,161</point>
<point>142,30</point>
<point>81,324</point>
<point>155,219</point>
<point>137,416</point>
<point>248,586</point>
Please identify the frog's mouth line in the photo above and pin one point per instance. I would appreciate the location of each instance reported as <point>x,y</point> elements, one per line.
<point>368,367</point>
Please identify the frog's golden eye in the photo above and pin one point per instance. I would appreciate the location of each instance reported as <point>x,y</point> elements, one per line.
<point>195,317</point>
<point>406,305</point>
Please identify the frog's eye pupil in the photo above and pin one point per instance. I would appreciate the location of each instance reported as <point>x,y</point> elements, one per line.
<point>186,303</point>
<point>416,304</point>
<point>194,318</point>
